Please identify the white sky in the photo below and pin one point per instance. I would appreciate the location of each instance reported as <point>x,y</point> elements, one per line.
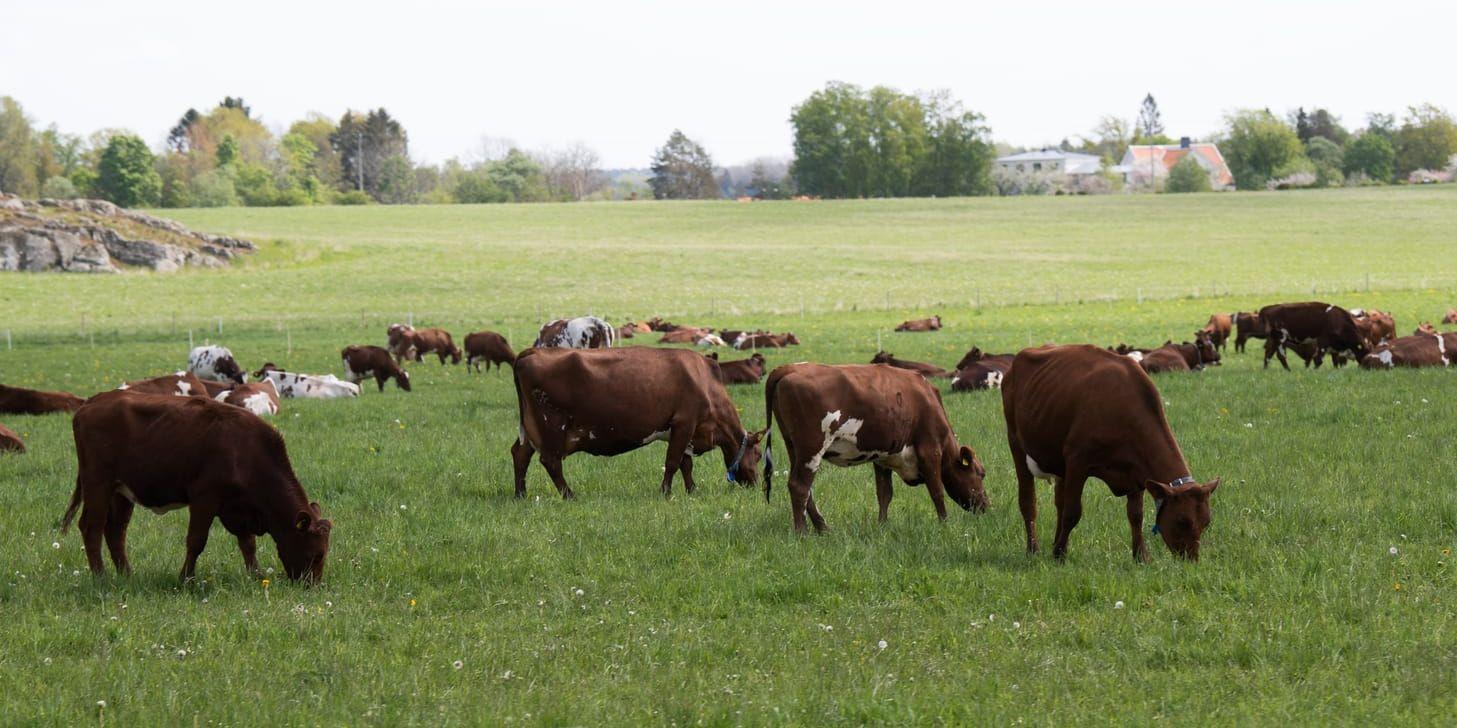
<point>620,75</point>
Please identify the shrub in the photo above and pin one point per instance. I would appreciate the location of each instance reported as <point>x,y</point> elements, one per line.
<point>1371,155</point>
<point>59,188</point>
<point>1294,180</point>
<point>1427,177</point>
<point>1009,182</point>
<point>214,188</point>
<point>1188,176</point>
<point>352,197</point>
<point>127,173</point>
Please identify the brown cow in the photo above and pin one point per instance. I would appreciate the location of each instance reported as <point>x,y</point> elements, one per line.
<point>260,398</point>
<point>437,341</point>
<point>401,342</point>
<point>612,401</point>
<point>1330,328</point>
<point>1075,412</point>
<point>976,354</point>
<point>1450,317</point>
<point>626,331</point>
<point>1375,326</point>
<point>1425,327</point>
<point>766,341</point>
<point>1219,327</point>
<point>743,371</point>
<point>364,361</point>
<point>925,324</point>
<point>986,373</point>
<point>20,401</point>
<point>929,371</point>
<point>1247,326</point>
<point>854,414</point>
<point>490,347</point>
<point>1420,350</point>
<point>1166,358</point>
<point>182,384</point>
<point>684,335</point>
<point>9,441</point>
<point>164,453</point>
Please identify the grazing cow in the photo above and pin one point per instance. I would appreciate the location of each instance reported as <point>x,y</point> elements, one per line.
<point>582,332</point>
<point>985,373</point>
<point>21,401</point>
<point>1419,350</point>
<point>364,361</point>
<point>613,401</point>
<point>401,341</point>
<point>1330,328</point>
<point>437,341</point>
<point>1376,327</point>
<point>976,355</point>
<point>165,453</point>
<point>9,441</point>
<point>1075,412</point>
<point>929,371</point>
<point>489,347</point>
<point>1247,326</point>
<point>683,335</point>
<point>925,324</point>
<point>743,371</point>
<point>855,414</point>
<point>215,363</point>
<point>311,386</point>
<point>765,341</point>
<point>181,384</point>
<point>260,398</point>
<point>1219,327</point>
<point>1450,317</point>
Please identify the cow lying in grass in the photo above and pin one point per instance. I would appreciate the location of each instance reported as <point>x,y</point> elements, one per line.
<point>9,441</point>
<point>1420,350</point>
<point>743,371</point>
<point>925,324</point>
<point>21,401</point>
<point>311,386</point>
<point>929,371</point>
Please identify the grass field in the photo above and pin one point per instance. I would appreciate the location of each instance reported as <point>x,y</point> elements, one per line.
<point>625,608</point>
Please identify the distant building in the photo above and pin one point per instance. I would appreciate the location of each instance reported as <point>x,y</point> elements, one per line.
<point>1146,163</point>
<point>1052,160</point>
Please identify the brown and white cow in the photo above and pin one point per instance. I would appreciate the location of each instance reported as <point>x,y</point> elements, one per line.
<point>925,324</point>
<point>1219,328</point>
<point>291,385</point>
<point>1247,326</point>
<point>181,384</point>
<point>436,341</point>
<point>260,398</point>
<point>1450,317</point>
<point>611,401</point>
<point>864,413</point>
<point>1079,412</point>
<point>489,347</point>
<point>1375,326</point>
<point>401,342</point>
<point>684,335</point>
<point>1419,350</point>
<point>21,401</point>
<point>9,441</point>
<point>930,371</point>
<point>1328,327</point>
<point>582,332</point>
<point>986,373</point>
<point>164,453</point>
<point>977,355</point>
<point>364,361</point>
<point>742,371</point>
<point>765,341</point>
<point>215,364</point>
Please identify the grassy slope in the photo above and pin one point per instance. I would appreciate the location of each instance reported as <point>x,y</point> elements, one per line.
<point>706,607</point>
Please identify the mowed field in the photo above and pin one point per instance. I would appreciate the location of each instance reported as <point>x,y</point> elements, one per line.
<point>446,601</point>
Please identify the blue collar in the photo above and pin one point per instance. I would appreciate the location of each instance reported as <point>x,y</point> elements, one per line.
<point>1158,505</point>
<point>734,468</point>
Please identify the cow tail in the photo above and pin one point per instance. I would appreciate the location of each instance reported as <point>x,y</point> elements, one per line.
<point>71,509</point>
<point>769,387</point>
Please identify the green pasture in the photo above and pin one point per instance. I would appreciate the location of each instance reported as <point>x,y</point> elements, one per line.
<point>446,601</point>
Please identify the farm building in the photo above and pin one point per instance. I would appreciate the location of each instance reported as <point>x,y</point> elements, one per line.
<point>1052,160</point>
<point>1143,163</point>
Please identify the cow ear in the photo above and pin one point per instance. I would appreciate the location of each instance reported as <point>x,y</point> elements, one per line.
<point>1158,490</point>
<point>318,512</point>
<point>1210,487</point>
<point>966,457</point>
<point>303,521</point>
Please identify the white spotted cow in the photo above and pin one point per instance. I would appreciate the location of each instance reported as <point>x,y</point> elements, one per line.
<point>582,332</point>
<point>310,386</point>
<point>260,398</point>
<point>215,363</point>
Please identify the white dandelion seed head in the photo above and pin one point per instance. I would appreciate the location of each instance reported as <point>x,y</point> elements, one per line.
<point>1392,551</point>
<point>457,664</point>
<point>882,644</point>
<point>1118,604</point>
<point>55,544</point>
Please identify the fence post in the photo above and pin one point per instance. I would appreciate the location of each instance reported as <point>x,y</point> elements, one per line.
<point>878,347</point>
<point>189,339</point>
<point>174,323</point>
<point>220,326</point>
<point>410,318</point>
<point>83,323</point>
<point>288,336</point>
<point>8,346</point>
<point>1140,295</point>
<point>1368,282</point>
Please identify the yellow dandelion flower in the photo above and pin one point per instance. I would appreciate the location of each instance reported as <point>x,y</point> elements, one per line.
<point>266,583</point>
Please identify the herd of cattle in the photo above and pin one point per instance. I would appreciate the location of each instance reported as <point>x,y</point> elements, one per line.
<point>1072,412</point>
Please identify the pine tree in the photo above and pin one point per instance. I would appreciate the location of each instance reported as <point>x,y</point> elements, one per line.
<point>1150,124</point>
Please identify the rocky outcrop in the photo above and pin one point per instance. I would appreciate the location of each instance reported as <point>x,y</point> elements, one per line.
<point>95,236</point>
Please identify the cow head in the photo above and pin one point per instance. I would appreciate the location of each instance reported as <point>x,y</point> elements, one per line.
<point>228,368</point>
<point>403,379</point>
<point>1427,328</point>
<point>304,547</point>
<point>265,369</point>
<point>972,357</point>
<point>757,360</point>
<point>1182,514</point>
<point>1451,317</point>
<point>744,468</point>
<point>1204,344</point>
<point>962,475</point>
<point>790,338</point>
<point>881,357</point>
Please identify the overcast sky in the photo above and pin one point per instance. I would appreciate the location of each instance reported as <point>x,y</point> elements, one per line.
<point>621,75</point>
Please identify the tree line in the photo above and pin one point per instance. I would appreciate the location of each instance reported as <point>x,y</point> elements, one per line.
<point>848,142</point>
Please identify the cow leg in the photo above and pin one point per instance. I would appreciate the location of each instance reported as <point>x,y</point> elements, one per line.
<point>380,378</point>
<point>883,490</point>
<point>116,523</point>
<point>1319,356</point>
<point>934,487</point>
<point>95,508</point>
<point>553,466</point>
<point>799,487</point>
<point>1026,496</point>
<point>814,513</point>
<point>1239,344</point>
<point>521,452</point>
<point>1135,525</point>
<point>686,467</point>
<point>248,544</point>
<point>199,521</point>
<point>678,439</point>
<point>1069,497</point>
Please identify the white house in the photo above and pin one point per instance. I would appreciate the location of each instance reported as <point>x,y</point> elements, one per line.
<point>1143,163</point>
<point>1052,160</point>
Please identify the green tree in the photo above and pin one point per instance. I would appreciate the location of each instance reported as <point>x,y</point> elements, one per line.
<point>325,165</point>
<point>518,177</point>
<point>1187,176</point>
<point>1150,121</point>
<point>1370,154</point>
<point>126,173</point>
<point>366,143</point>
<point>1329,161</point>
<point>17,150</point>
<point>1319,123</point>
<point>833,152</point>
<point>958,159</point>
<point>1255,145</point>
<point>1427,139</point>
<point>474,187</point>
<point>227,152</point>
<point>682,170</point>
